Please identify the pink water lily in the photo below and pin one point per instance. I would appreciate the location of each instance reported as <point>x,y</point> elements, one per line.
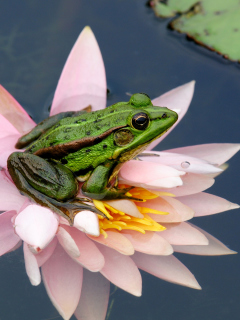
<point>79,262</point>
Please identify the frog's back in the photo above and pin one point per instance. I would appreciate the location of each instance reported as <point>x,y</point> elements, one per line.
<point>87,127</point>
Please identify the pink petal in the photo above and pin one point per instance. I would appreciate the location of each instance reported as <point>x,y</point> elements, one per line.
<point>167,268</point>
<point>31,266</point>
<point>121,271</point>
<point>192,183</point>
<point>63,281</point>
<point>115,240</point>
<point>183,234</point>
<point>181,162</point>
<point>14,113</point>
<point>94,297</point>
<point>90,257</point>
<point>87,221</point>
<point>36,225</point>
<point>126,206</point>
<point>68,243</point>
<point>46,253</point>
<point>216,153</point>
<point>178,99</point>
<point>6,128</point>
<point>214,248</point>
<point>205,204</point>
<point>83,79</point>
<point>149,243</point>
<point>17,246</point>
<point>8,238</point>
<point>10,197</point>
<point>7,146</point>
<point>149,174</point>
<point>178,212</point>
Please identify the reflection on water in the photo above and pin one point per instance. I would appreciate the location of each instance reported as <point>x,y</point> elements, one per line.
<point>141,55</point>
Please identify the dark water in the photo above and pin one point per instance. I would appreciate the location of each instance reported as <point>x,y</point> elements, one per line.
<point>141,55</point>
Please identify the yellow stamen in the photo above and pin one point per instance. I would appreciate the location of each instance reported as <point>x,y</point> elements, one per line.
<point>149,210</point>
<point>163,194</point>
<point>119,220</point>
<point>144,194</point>
<point>100,206</point>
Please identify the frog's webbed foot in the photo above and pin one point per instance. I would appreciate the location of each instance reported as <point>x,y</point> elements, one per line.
<point>70,208</point>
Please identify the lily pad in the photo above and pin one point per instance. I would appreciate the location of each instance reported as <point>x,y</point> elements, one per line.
<point>213,24</point>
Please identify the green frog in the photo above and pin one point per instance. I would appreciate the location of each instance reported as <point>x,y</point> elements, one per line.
<point>84,146</point>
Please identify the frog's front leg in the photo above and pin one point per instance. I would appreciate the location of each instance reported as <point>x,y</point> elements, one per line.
<point>48,183</point>
<point>97,186</point>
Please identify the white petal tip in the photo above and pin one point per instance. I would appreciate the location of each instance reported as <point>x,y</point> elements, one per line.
<point>137,294</point>
<point>232,252</point>
<point>34,282</point>
<point>234,206</point>
<point>197,287</point>
<point>87,222</point>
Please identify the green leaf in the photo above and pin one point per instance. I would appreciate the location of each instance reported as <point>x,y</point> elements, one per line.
<point>213,24</point>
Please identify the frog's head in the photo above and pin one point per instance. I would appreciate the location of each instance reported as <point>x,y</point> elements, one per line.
<point>145,123</point>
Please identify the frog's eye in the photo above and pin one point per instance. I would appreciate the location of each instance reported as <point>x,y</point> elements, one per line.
<point>140,121</point>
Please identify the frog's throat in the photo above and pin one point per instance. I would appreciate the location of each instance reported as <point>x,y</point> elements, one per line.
<point>62,150</point>
<point>130,154</point>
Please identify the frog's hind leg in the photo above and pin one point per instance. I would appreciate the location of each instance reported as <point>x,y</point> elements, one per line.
<point>48,183</point>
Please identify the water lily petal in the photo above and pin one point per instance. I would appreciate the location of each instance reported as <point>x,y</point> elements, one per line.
<point>83,79</point>
<point>115,240</point>
<point>68,243</point>
<point>90,257</point>
<point>178,99</point>
<point>8,238</point>
<point>126,206</point>
<point>17,246</point>
<point>62,278</point>
<point>149,174</point>
<point>205,204</point>
<point>7,146</point>
<point>31,266</point>
<point>183,234</point>
<point>181,162</point>
<point>192,183</point>
<point>121,271</point>
<point>6,128</point>
<point>87,221</point>
<point>214,248</point>
<point>149,243</point>
<point>36,225</point>
<point>10,197</point>
<point>94,297</point>
<point>14,113</point>
<point>46,253</point>
<point>167,268</point>
<point>216,153</point>
<point>178,212</point>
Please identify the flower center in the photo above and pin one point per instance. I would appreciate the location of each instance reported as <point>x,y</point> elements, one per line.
<point>120,220</point>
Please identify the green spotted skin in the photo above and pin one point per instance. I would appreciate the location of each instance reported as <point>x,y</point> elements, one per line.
<point>85,146</point>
